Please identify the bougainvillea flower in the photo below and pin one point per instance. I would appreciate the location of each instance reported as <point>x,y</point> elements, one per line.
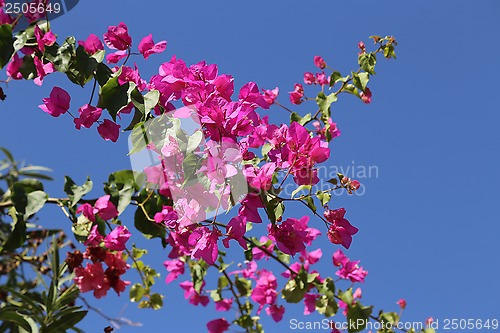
<point>309,78</point>
<point>5,18</point>
<point>366,96</point>
<point>147,47</point>
<point>236,229</point>
<point>14,66</point>
<point>105,208</point>
<point>290,235</point>
<point>352,271</point>
<point>192,295</point>
<point>349,270</point>
<point>94,238</point>
<point>249,208</point>
<point>250,93</point>
<point>113,58</point>
<point>92,44</point>
<point>205,244</point>
<point>297,94</point>
<point>271,95</point>
<point>92,278</point>
<point>276,312</point>
<point>260,178</point>
<point>175,267</point>
<point>259,254</point>
<point>167,216</point>
<point>42,70</point>
<point>218,326</point>
<point>109,130</point>
<point>88,116</point>
<point>310,303</point>
<point>322,79</point>
<point>117,37</point>
<point>319,62</point>
<point>116,239</point>
<point>44,39</point>
<point>265,290</point>
<point>58,102</point>
<point>224,304</point>
<point>340,231</point>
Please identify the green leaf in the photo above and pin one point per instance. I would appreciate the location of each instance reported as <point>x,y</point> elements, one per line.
<point>102,74</point>
<point>19,198</point>
<point>63,56</point>
<point>82,228</point>
<point>31,185</point>
<point>360,80</point>
<point>336,77</point>
<point>194,141</point>
<point>357,317</point>
<point>324,102</point>
<point>243,285</point>
<point>9,155</point>
<point>68,296</point>
<point>121,186</point>
<point>136,292</point>
<point>333,181</point>
<point>82,67</point>
<point>138,117</point>
<point>66,321</point>
<point>301,188</point>
<point>36,200</point>
<point>223,282</point>
<point>323,197</point>
<point>35,171</point>
<point>6,44</point>
<point>296,288</point>
<point>148,228</point>
<point>190,166</point>
<point>156,301</point>
<point>198,273</point>
<point>21,39</point>
<point>138,99</point>
<point>75,192</point>
<point>139,138</point>
<point>114,96</point>
<point>28,302</point>
<point>346,296</point>
<point>326,306</point>
<point>137,253</point>
<point>215,295</point>
<point>151,99</point>
<point>295,117</point>
<point>367,62</point>
<point>389,51</point>
<point>310,203</point>
<point>351,89</point>
<point>14,317</point>
<point>272,209</point>
<point>389,317</point>
<point>28,68</point>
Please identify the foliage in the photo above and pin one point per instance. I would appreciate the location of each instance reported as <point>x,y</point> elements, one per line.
<point>235,159</point>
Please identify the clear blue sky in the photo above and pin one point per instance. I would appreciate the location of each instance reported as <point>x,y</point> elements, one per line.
<point>428,223</point>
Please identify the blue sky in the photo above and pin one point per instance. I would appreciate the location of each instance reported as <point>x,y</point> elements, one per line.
<point>428,221</point>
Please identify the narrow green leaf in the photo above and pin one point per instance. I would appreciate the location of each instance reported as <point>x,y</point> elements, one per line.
<point>15,317</point>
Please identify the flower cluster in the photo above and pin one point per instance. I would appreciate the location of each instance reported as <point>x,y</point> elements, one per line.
<point>107,250</point>
<point>198,173</point>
